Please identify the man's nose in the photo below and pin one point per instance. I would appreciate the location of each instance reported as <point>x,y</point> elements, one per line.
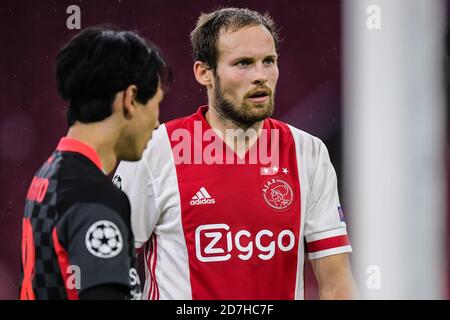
<point>259,74</point>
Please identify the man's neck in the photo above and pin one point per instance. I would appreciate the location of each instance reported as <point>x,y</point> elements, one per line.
<point>100,137</point>
<point>238,138</point>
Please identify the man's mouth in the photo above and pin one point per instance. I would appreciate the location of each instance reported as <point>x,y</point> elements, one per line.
<point>259,96</point>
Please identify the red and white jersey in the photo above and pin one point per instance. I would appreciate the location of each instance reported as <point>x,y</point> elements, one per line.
<point>231,229</point>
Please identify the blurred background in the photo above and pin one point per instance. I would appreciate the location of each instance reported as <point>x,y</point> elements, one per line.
<point>311,92</point>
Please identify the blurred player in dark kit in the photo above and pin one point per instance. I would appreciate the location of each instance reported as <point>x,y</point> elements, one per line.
<point>77,241</point>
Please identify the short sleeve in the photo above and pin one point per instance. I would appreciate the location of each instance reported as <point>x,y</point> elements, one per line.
<point>96,241</point>
<point>325,228</point>
<point>137,183</point>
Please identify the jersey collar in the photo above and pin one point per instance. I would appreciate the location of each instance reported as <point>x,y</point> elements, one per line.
<point>73,145</point>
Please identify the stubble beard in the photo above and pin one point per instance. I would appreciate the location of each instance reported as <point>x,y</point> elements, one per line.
<point>241,116</point>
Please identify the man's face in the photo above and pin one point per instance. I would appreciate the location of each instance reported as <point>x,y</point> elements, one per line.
<point>141,127</point>
<point>246,75</point>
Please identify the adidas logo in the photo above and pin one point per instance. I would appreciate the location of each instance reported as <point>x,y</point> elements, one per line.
<point>202,197</point>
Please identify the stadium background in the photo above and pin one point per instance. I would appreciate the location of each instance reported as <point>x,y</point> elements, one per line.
<point>32,116</point>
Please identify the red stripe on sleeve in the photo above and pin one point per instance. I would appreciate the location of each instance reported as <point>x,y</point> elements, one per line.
<point>148,258</point>
<point>154,268</point>
<point>28,261</point>
<point>63,262</point>
<point>327,243</point>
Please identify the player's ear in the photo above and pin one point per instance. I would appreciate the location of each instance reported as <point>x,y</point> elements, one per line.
<point>203,73</point>
<point>129,101</point>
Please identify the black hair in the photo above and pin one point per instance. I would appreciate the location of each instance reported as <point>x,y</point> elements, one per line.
<point>101,61</point>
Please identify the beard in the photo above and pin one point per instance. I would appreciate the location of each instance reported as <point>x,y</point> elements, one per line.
<point>243,116</point>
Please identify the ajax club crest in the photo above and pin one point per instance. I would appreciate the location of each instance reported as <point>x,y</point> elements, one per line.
<point>277,193</point>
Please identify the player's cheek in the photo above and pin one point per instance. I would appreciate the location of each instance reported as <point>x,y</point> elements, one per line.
<point>274,74</point>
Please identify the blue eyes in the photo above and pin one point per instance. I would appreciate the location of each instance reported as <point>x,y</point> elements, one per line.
<point>246,63</point>
<point>243,63</point>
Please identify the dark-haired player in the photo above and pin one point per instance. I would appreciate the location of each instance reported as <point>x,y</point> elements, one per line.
<point>77,241</point>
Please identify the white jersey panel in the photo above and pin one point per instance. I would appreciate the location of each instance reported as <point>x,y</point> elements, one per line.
<point>152,186</point>
<point>321,215</point>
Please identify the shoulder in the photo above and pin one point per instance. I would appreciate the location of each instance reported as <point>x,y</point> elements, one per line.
<point>89,187</point>
<point>182,122</point>
<point>158,152</point>
<point>88,204</point>
<point>304,141</point>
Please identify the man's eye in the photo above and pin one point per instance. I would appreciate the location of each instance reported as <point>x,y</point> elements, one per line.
<point>243,63</point>
<point>269,61</point>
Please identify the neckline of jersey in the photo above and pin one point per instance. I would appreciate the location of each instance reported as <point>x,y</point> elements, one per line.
<point>201,111</point>
<point>67,144</point>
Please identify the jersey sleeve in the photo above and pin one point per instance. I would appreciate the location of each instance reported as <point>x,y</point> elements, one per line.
<point>136,180</point>
<point>96,242</point>
<point>325,228</point>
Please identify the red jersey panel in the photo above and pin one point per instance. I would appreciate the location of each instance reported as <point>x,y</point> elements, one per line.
<point>241,244</point>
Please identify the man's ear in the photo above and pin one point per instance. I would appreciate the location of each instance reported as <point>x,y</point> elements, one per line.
<point>203,73</point>
<point>129,101</point>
